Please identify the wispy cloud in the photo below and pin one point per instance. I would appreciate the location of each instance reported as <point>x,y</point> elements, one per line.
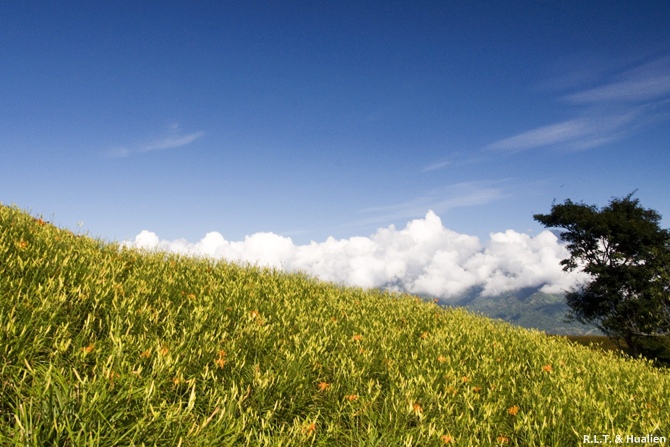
<point>171,142</point>
<point>174,139</point>
<point>622,104</point>
<point>440,200</point>
<point>631,90</point>
<point>435,166</point>
<point>645,83</point>
<point>456,159</point>
<point>578,133</point>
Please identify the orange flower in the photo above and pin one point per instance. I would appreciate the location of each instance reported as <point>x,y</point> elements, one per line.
<point>309,429</point>
<point>513,410</point>
<point>424,335</point>
<point>88,349</point>
<point>351,397</point>
<point>546,368</point>
<point>146,354</point>
<point>446,439</point>
<point>441,358</point>
<point>476,389</point>
<point>323,386</point>
<point>417,408</point>
<point>164,350</point>
<point>464,379</point>
<point>221,361</point>
<point>503,439</point>
<point>357,337</point>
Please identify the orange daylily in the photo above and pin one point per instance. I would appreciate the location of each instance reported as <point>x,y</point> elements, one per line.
<point>311,428</point>
<point>221,361</point>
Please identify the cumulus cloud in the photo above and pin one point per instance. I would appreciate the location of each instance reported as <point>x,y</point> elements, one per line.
<point>422,258</point>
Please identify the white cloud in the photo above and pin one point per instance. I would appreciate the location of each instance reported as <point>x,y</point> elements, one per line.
<point>544,136</point>
<point>576,134</point>
<point>441,200</point>
<point>435,166</point>
<point>610,111</point>
<point>632,90</point>
<point>645,83</point>
<point>422,258</point>
<point>173,139</point>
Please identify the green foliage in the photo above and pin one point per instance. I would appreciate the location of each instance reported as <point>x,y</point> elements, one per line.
<point>102,345</point>
<point>627,255</point>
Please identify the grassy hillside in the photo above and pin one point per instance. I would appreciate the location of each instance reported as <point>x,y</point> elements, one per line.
<point>103,346</point>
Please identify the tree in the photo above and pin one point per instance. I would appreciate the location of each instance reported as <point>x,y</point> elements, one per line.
<point>627,255</point>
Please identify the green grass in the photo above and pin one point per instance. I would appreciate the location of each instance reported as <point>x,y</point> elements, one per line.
<point>598,342</point>
<point>101,346</point>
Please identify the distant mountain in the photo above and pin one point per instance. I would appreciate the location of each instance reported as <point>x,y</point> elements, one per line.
<point>528,308</point>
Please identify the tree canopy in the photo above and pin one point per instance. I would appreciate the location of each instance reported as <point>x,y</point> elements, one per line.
<point>627,255</point>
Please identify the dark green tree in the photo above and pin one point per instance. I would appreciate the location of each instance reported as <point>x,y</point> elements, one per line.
<point>627,255</point>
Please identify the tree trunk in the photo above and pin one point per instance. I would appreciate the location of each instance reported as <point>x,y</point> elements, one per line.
<point>632,346</point>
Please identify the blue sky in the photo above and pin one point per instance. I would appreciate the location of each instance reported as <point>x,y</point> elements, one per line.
<point>318,119</point>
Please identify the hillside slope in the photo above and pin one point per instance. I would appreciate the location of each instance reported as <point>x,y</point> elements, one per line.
<point>101,345</point>
<point>527,308</point>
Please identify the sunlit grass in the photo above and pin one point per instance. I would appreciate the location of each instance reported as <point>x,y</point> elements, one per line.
<point>102,345</point>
